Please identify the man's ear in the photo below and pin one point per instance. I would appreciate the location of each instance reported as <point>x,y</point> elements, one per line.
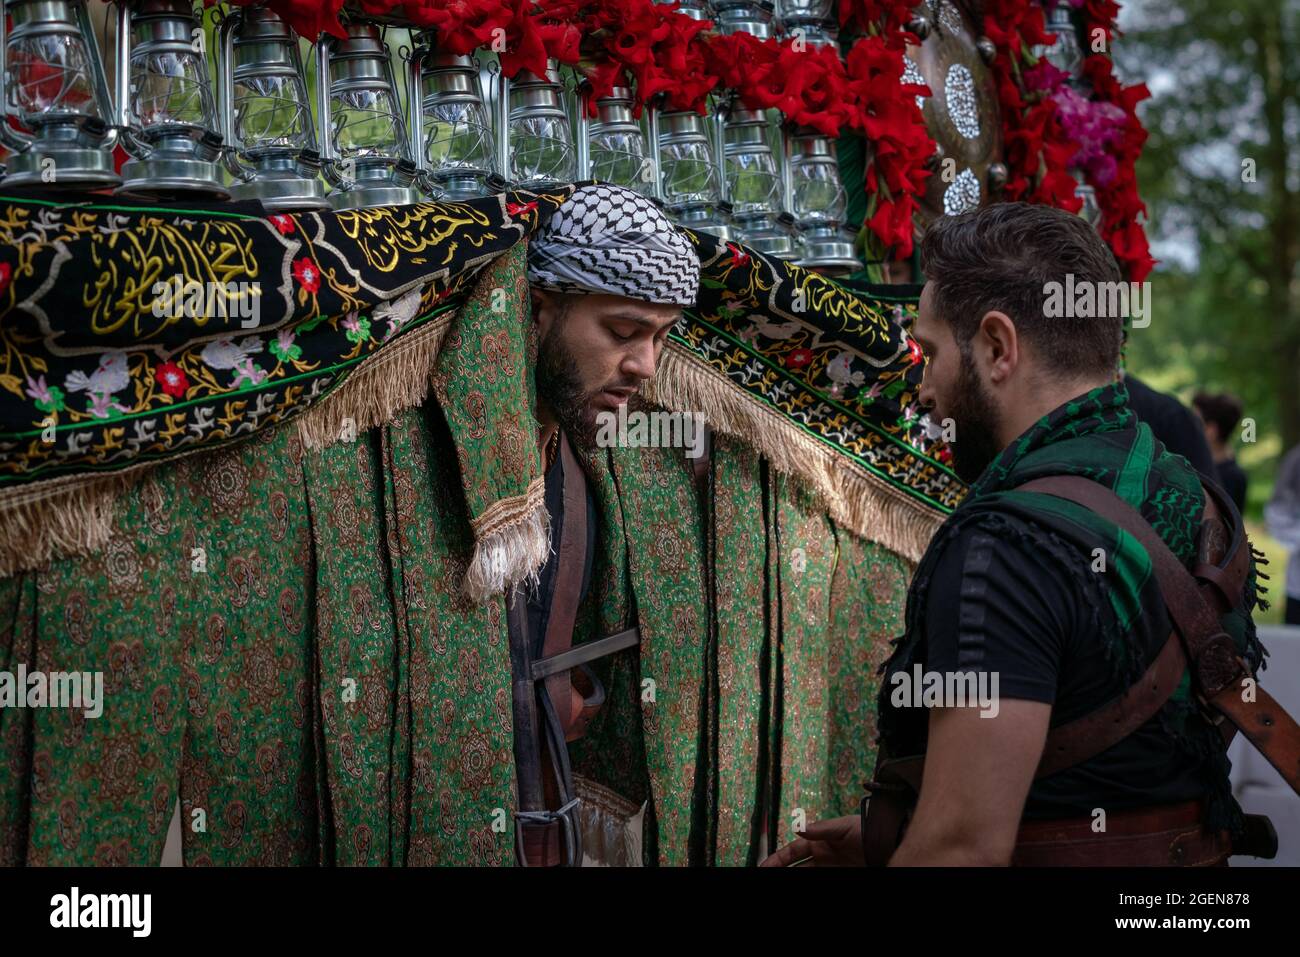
<point>999,345</point>
<point>546,308</point>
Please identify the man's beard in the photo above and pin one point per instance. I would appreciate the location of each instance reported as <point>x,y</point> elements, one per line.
<point>559,385</point>
<point>977,423</point>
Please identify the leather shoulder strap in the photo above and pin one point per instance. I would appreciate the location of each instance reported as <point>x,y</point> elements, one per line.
<point>1085,737</point>
<point>1221,678</point>
<point>572,706</point>
<point>1212,652</point>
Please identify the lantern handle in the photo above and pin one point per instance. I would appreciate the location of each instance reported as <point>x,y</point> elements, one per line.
<point>582,125</point>
<point>102,93</point>
<point>787,159</point>
<point>231,144</point>
<point>124,125</point>
<point>414,58</point>
<point>403,134</point>
<point>415,114</point>
<point>502,107</point>
<point>652,124</point>
<point>329,158</point>
<point>722,103</point>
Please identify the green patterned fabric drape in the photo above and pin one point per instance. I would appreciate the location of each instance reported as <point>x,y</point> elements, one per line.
<point>319,692</point>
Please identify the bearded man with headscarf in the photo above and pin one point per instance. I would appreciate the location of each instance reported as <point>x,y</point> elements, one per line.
<point>609,275</point>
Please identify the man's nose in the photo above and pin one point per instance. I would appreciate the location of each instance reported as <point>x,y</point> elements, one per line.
<point>925,394</point>
<point>640,361</point>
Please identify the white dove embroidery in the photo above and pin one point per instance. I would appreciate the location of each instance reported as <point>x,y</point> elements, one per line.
<point>840,371</point>
<point>228,354</point>
<point>111,376</point>
<point>771,330</point>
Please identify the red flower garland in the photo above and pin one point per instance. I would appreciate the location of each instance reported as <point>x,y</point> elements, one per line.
<point>895,130</point>
<point>307,18</point>
<point>657,49</point>
<point>887,18</point>
<point>864,94</point>
<point>1038,151</point>
<point>808,84</point>
<point>463,26</point>
<point>1119,200</point>
<point>652,47</point>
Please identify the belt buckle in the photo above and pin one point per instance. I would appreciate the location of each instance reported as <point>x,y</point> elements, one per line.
<point>565,816</point>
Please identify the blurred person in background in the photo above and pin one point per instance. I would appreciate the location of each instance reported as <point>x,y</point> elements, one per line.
<point>1220,412</point>
<point>1282,514</point>
<point>1175,425</point>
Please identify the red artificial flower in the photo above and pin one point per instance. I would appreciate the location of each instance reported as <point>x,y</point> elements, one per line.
<point>799,358</point>
<point>283,223</point>
<point>892,224</point>
<point>307,274</point>
<point>172,380</point>
<point>738,256</point>
<point>885,112</point>
<point>1037,148</point>
<point>311,18</point>
<point>1118,196</point>
<point>651,47</point>
<point>562,41</point>
<point>889,17</point>
<point>914,350</point>
<point>517,209</point>
<point>1044,76</point>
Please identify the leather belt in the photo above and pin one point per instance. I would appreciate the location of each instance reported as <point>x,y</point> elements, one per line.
<point>1164,836</point>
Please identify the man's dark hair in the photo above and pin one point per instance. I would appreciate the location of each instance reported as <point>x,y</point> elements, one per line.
<point>1000,258</point>
<point>1221,409</point>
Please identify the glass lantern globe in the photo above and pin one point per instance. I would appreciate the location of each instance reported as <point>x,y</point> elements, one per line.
<point>541,150</point>
<point>52,81</point>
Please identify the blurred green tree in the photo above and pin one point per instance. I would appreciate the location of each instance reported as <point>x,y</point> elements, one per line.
<point>1221,178</point>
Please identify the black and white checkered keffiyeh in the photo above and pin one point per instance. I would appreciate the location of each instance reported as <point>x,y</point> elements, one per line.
<point>607,239</point>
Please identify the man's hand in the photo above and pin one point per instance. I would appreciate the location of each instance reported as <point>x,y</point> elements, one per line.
<point>833,843</point>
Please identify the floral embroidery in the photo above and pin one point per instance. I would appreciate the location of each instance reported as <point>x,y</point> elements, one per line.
<point>308,276</point>
<point>172,379</point>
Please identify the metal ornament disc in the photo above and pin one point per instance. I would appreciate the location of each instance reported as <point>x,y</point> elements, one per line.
<point>961,114</point>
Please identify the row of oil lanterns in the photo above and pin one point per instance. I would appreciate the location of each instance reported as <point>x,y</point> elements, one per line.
<point>466,129</point>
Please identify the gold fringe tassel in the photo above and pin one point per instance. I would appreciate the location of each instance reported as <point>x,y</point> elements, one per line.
<point>512,540</point>
<point>59,519</point>
<point>854,498</point>
<point>378,389</point>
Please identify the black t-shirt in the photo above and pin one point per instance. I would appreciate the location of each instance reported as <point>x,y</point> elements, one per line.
<point>1233,479</point>
<point>1004,607</point>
